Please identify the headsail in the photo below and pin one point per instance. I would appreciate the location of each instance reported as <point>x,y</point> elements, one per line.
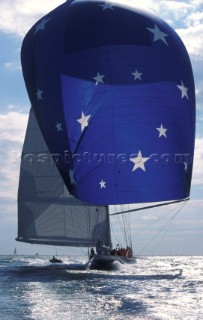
<point>47,213</point>
<point>118,87</point>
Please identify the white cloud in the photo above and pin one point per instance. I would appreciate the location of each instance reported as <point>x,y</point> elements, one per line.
<point>12,126</point>
<point>193,40</point>
<point>8,210</point>
<point>12,65</point>
<point>198,162</point>
<point>12,132</point>
<point>9,173</point>
<point>196,18</point>
<point>186,18</point>
<point>18,16</point>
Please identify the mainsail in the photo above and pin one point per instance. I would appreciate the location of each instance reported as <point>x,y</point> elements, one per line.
<point>47,213</point>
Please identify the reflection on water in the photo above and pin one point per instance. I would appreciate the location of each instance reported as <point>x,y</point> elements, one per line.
<point>34,289</point>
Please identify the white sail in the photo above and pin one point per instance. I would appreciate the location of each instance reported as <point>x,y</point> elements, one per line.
<point>47,213</point>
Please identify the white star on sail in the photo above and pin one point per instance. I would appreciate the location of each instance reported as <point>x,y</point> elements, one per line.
<point>41,25</point>
<point>158,34</point>
<point>137,75</point>
<point>106,6</point>
<point>99,78</point>
<point>162,131</point>
<point>39,94</point>
<point>84,121</point>
<point>71,175</point>
<point>139,162</point>
<point>102,184</point>
<point>183,89</point>
<point>59,126</point>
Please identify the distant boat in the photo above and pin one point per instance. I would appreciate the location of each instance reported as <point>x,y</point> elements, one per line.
<point>112,123</point>
<point>15,251</point>
<point>55,260</point>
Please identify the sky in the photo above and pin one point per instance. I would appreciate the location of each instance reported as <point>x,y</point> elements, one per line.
<point>174,230</point>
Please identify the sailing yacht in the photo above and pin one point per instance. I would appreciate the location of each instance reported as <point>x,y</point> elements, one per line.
<point>112,122</point>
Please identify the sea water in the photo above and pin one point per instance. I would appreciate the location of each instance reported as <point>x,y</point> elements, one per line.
<point>152,289</point>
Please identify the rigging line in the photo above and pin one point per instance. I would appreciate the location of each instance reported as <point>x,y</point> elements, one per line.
<point>118,223</point>
<point>168,225</point>
<point>124,228</point>
<point>161,238</point>
<point>162,217</point>
<point>125,236</point>
<point>119,226</point>
<point>149,207</point>
<point>156,235</point>
<point>127,229</point>
<point>64,212</point>
<point>114,233</point>
<point>121,221</point>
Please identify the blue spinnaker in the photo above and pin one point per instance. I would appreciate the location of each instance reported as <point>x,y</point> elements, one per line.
<point>113,92</point>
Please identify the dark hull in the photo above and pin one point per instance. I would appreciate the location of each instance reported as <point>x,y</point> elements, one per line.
<point>105,262</point>
<point>54,260</point>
